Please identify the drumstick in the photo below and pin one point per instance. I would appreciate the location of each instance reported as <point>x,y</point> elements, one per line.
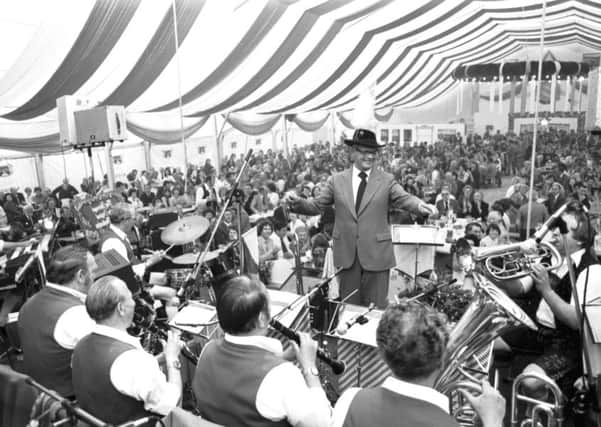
<point>164,251</point>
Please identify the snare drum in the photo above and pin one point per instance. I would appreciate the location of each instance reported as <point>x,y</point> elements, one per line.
<point>177,276</point>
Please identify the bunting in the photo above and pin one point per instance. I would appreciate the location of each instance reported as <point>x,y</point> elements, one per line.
<point>272,58</point>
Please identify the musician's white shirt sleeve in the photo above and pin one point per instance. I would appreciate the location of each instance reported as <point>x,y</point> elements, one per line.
<point>343,405</point>
<point>74,323</point>
<point>137,374</point>
<point>284,393</point>
<point>593,289</point>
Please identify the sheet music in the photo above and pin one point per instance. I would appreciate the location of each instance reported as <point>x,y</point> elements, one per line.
<point>195,313</point>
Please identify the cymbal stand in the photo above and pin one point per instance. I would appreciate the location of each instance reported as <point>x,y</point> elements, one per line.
<point>191,278</point>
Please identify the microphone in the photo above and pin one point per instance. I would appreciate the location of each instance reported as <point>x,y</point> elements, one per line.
<point>360,319</point>
<point>248,155</point>
<point>549,223</point>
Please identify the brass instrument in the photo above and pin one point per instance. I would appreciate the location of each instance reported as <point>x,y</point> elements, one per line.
<point>553,410</point>
<point>490,314</point>
<point>511,261</point>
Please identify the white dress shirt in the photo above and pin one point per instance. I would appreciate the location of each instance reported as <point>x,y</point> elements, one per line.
<point>544,314</point>
<point>201,190</point>
<point>74,323</point>
<point>284,393</point>
<point>117,245</point>
<point>356,180</point>
<point>137,374</point>
<point>414,391</point>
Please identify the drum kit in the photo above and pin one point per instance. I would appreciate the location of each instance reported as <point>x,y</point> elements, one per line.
<point>216,264</point>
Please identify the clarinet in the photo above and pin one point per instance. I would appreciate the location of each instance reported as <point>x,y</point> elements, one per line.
<point>338,366</point>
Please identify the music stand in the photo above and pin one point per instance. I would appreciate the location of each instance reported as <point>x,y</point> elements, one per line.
<point>414,247</point>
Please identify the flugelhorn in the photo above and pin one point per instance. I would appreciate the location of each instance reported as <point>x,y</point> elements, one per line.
<point>338,366</point>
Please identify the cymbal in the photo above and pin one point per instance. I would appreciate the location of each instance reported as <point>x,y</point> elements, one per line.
<point>190,258</point>
<point>185,230</point>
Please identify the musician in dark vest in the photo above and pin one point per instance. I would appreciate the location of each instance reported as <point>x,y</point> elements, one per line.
<point>54,320</point>
<point>10,299</point>
<point>556,316</point>
<point>245,378</point>
<point>412,338</point>
<point>113,377</point>
<point>115,237</point>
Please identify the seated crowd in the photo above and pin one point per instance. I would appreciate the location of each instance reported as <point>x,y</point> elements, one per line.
<point>74,331</point>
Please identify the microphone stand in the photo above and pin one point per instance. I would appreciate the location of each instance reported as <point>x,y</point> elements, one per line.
<point>73,411</point>
<point>239,230</point>
<point>300,287</point>
<point>307,296</point>
<point>191,278</point>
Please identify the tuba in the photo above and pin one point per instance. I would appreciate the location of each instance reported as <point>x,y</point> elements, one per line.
<point>491,313</point>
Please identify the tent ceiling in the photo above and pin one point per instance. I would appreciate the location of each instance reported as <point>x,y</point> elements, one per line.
<point>266,56</point>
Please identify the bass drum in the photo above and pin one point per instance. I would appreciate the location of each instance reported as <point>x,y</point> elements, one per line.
<point>223,266</point>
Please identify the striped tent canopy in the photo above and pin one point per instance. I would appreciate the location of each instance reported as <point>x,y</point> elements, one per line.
<point>268,57</point>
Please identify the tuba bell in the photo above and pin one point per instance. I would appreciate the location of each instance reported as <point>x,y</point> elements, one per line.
<point>491,313</point>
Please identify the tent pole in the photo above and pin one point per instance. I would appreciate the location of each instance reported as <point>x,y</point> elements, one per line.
<point>39,170</point>
<point>218,145</point>
<point>179,96</point>
<point>110,172</point>
<point>285,131</point>
<point>535,127</point>
<point>91,160</point>
<point>147,159</point>
<point>333,117</point>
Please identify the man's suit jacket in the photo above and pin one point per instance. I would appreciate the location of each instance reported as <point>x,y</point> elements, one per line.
<point>365,233</point>
<point>452,206</point>
<point>554,203</point>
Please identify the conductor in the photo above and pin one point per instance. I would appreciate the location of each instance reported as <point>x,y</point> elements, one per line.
<point>362,197</point>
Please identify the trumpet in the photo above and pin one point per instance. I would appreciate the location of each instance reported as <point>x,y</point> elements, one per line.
<point>338,366</point>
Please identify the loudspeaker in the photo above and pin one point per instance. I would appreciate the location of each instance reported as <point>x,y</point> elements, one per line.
<point>66,107</point>
<point>102,124</point>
